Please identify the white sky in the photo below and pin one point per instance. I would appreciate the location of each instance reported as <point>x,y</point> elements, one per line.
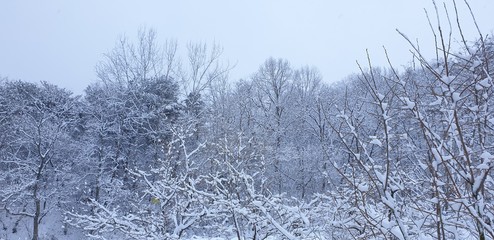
<point>61,41</point>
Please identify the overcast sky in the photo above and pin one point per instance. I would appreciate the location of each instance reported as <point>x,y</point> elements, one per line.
<point>61,41</point>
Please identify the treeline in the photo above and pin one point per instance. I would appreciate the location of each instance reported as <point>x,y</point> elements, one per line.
<point>167,149</point>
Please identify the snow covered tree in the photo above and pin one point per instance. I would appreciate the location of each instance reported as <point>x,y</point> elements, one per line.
<point>128,117</point>
<point>37,149</point>
<point>419,162</point>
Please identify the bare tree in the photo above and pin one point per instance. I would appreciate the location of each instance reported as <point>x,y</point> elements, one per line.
<point>133,62</point>
<point>273,85</point>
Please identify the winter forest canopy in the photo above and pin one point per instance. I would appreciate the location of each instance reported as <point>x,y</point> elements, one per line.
<point>164,147</point>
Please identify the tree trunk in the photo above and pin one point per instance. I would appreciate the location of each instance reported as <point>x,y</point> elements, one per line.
<point>37,214</point>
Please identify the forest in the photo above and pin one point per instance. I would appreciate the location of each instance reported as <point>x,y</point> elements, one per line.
<point>163,147</point>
